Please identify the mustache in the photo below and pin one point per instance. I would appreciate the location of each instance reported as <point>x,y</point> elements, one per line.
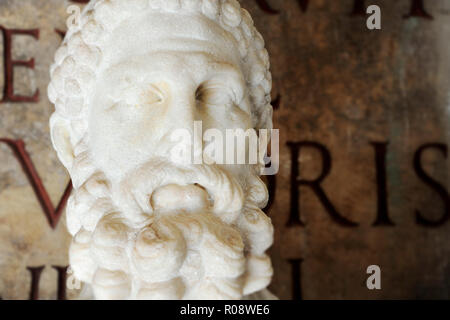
<point>174,250</point>
<point>109,221</point>
<point>160,248</point>
<point>135,191</point>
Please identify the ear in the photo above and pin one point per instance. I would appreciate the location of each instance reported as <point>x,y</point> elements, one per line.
<point>60,135</point>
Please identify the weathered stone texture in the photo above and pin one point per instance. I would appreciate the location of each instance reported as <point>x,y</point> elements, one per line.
<point>342,86</point>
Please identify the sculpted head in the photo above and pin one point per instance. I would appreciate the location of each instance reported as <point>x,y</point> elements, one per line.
<point>145,226</point>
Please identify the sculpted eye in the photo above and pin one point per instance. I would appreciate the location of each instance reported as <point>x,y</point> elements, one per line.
<point>214,95</point>
<point>152,95</point>
<point>136,96</point>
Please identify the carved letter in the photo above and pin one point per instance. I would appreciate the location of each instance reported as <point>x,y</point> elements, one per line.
<point>9,64</point>
<point>62,276</point>
<point>52,214</point>
<point>418,10</point>
<point>271,182</point>
<point>359,8</point>
<point>35,278</point>
<point>382,204</point>
<point>266,7</point>
<point>296,278</point>
<point>276,102</point>
<point>61,33</point>
<point>433,184</point>
<point>295,216</point>
<point>303,4</point>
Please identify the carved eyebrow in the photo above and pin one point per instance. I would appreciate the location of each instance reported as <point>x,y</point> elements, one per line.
<point>229,67</point>
<point>229,70</point>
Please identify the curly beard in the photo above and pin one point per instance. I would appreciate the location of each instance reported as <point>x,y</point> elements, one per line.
<point>171,232</point>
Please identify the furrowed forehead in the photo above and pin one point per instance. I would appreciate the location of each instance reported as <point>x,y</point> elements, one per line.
<point>155,63</point>
<point>112,30</point>
<point>168,32</point>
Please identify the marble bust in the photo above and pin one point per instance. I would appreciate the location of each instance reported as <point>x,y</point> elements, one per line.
<point>145,227</point>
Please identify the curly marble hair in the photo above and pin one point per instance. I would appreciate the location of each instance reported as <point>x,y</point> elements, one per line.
<point>76,61</point>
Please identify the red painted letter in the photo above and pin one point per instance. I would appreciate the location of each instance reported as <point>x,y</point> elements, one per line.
<point>52,214</point>
<point>9,64</point>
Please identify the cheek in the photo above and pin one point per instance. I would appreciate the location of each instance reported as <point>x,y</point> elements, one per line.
<point>124,138</point>
<point>135,125</point>
<point>226,118</point>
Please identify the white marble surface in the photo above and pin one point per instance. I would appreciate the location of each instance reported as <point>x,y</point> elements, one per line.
<point>143,226</point>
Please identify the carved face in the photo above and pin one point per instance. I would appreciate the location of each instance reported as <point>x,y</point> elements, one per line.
<point>144,226</point>
<point>189,71</point>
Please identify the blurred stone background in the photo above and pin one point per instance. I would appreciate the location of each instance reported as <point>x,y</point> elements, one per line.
<point>345,91</point>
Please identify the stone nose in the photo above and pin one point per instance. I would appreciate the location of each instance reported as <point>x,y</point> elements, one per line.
<point>182,110</point>
<point>183,120</point>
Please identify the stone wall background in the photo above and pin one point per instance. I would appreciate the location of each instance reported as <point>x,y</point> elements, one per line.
<point>342,86</point>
